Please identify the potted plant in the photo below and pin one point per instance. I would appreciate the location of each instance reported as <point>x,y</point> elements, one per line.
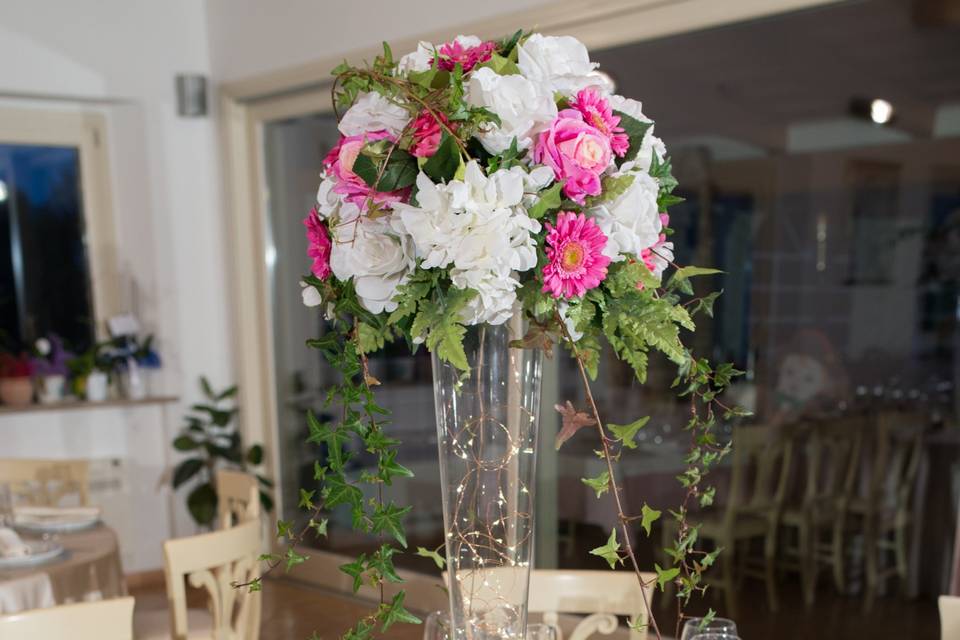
<point>50,368</point>
<point>213,442</point>
<point>16,383</point>
<point>135,359</point>
<point>90,372</point>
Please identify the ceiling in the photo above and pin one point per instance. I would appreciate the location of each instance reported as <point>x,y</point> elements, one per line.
<point>751,81</point>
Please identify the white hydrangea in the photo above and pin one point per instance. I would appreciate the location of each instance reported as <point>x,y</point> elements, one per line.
<point>524,108</point>
<point>373,112</point>
<point>631,221</point>
<point>560,64</point>
<point>478,228</point>
<point>373,253</point>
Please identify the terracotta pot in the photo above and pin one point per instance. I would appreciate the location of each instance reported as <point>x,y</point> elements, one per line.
<point>16,392</point>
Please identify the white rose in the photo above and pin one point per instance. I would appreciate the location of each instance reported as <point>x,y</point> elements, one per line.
<point>631,222</point>
<point>375,256</point>
<point>651,144</point>
<point>419,60</point>
<point>524,108</point>
<point>373,112</point>
<point>560,63</point>
<point>311,297</point>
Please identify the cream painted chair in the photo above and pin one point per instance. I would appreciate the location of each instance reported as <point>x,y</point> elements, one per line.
<point>102,620</point>
<point>949,617</point>
<point>557,595</point>
<point>46,483</point>
<point>238,498</point>
<point>213,562</point>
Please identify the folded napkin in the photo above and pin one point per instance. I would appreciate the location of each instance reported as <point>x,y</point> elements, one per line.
<point>54,515</point>
<point>11,546</point>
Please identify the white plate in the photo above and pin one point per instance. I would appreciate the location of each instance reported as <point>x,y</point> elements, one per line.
<point>56,525</point>
<point>41,551</point>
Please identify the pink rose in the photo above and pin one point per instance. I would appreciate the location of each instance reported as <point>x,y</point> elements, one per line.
<point>318,245</point>
<point>339,162</point>
<point>576,151</point>
<point>427,133</point>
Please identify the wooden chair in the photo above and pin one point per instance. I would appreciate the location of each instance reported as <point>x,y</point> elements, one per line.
<point>46,483</point>
<point>949,617</point>
<point>832,450</point>
<point>238,498</point>
<point>884,511</point>
<point>603,595</point>
<point>102,620</point>
<point>214,562</point>
<point>761,466</point>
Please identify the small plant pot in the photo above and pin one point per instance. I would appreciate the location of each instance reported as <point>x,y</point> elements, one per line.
<point>50,389</point>
<point>16,392</point>
<point>96,387</point>
<point>132,384</point>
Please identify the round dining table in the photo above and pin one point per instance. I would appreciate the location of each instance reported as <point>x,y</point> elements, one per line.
<point>88,569</point>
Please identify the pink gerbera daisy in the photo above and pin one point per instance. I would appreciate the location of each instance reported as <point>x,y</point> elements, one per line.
<point>318,245</point>
<point>453,52</point>
<point>597,112</point>
<point>575,256</point>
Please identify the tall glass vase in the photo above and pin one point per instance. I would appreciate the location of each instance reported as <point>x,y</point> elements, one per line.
<point>487,439</point>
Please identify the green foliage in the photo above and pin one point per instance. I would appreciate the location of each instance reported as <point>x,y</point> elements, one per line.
<point>213,442</point>
<point>442,166</point>
<point>399,170</point>
<point>610,551</point>
<point>438,559</point>
<point>600,484</point>
<point>626,433</point>
<point>635,130</point>
<point>648,517</point>
<point>549,200</point>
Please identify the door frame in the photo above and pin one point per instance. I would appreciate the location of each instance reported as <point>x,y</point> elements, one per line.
<point>245,106</point>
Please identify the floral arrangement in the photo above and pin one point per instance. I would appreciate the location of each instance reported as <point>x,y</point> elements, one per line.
<point>50,357</point>
<point>475,180</point>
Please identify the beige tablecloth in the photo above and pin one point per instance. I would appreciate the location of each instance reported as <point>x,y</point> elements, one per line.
<point>88,570</point>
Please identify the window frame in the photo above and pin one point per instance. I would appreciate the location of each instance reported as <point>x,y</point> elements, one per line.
<point>85,131</point>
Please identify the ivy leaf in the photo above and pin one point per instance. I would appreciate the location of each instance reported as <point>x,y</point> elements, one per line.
<point>689,272</point>
<point>306,499</point>
<point>600,484</point>
<point>610,551</point>
<point>537,337</point>
<point>665,575</point>
<point>550,200</point>
<point>438,559</point>
<point>355,570</point>
<point>319,527</point>
<point>338,491</point>
<point>573,421</point>
<point>626,433</point>
<point>395,612</point>
<point>443,164</point>
<point>648,517</point>
<point>387,519</point>
<point>293,559</point>
<point>390,468</point>
<point>635,130</point>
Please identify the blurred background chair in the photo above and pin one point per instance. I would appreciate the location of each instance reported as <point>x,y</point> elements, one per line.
<point>761,467</point>
<point>102,620</point>
<point>212,562</point>
<point>46,483</point>
<point>883,512</point>
<point>238,498</point>
<point>831,450</point>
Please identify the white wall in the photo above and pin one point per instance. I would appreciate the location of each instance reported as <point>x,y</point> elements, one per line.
<point>250,37</point>
<point>120,57</point>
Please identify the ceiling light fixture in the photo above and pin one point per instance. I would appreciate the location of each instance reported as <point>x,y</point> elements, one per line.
<point>876,110</point>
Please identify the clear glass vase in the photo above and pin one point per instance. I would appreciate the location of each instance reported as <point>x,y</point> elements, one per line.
<point>487,439</point>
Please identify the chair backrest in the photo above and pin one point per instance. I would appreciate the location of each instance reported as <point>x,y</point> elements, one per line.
<point>949,617</point>
<point>238,498</point>
<point>215,562</point>
<point>102,620</point>
<point>898,447</point>
<point>46,483</point>
<point>602,595</point>
<point>761,467</point>
<point>832,455</point>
